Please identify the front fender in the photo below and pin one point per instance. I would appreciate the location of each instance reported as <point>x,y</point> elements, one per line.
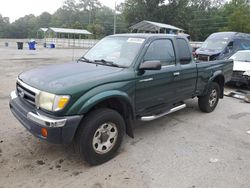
<point>122,90</point>
<point>90,103</point>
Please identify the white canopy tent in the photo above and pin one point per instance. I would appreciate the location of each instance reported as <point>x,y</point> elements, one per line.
<point>68,31</point>
<point>65,32</point>
<point>53,35</point>
<point>154,27</point>
<point>43,31</point>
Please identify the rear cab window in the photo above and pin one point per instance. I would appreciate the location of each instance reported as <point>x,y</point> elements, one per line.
<point>185,56</point>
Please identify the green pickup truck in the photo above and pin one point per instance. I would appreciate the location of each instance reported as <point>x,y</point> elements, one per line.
<point>122,79</point>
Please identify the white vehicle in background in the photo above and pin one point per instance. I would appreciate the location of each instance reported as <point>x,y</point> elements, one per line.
<point>241,68</point>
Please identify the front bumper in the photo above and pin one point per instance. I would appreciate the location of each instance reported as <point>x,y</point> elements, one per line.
<point>61,130</point>
<point>239,77</point>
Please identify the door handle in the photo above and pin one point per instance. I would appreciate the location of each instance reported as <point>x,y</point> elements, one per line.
<point>146,80</point>
<point>176,73</point>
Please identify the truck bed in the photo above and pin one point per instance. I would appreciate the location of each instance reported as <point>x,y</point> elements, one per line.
<point>207,69</point>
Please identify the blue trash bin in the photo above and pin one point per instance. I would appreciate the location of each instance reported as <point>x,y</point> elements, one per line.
<point>52,45</point>
<point>32,45</point>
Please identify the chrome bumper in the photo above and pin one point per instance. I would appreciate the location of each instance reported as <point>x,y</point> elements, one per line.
<point>40,119</point>
<point>46,121</point>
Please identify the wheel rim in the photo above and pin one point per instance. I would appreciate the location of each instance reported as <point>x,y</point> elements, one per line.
<point>105,138</point>
<point>212,98</point>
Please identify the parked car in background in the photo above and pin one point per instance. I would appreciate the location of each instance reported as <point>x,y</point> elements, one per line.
<point>195,46</point>
<point>223,45</point>
<point>241,68</point>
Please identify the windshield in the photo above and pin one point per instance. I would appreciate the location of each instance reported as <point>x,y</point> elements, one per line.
<point>215,44</point>
<point>241,56</point>
<point>119,50</point>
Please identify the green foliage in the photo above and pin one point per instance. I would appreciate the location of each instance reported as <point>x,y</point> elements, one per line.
<point>4,26</point>
<point>138,10</point>
<point>96,29</point>
<point>238,12</point>
<point>199,18</point>
<point>80,14</point>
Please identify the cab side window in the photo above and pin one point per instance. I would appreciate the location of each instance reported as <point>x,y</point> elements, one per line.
<point>241,44</point>
<point>229,47</point>
<point>183,51</point>
<point>161,50</point>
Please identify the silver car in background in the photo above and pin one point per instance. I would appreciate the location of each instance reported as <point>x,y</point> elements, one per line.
<point>241,68</point>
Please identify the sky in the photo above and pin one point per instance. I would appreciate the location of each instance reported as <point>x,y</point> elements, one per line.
<point>15,9</point>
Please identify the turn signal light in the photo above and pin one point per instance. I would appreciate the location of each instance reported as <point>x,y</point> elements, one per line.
<point>44,132</point>
<point>62,102</point>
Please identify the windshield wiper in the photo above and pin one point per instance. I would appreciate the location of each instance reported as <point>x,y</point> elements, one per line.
<point>84,59</point>
<point>110,63</point>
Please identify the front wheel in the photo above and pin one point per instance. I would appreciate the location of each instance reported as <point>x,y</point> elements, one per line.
<point>100,135</point>
<point>208,102</point>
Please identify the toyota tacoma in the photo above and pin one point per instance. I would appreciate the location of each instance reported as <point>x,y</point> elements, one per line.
<point>124,78</point>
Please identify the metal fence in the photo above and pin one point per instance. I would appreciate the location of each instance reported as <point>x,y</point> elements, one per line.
<point>59,43</point>
<point>71,43</point>
<point>67,43</point>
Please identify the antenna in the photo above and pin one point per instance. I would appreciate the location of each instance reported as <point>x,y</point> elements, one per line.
<point>115,19</point>
<point>73,50</point>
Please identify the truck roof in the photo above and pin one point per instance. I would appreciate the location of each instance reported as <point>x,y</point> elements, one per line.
<point>229,35</point>
<point>147,35</point>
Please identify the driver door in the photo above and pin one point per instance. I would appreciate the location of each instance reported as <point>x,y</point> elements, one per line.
<point>156,89</point>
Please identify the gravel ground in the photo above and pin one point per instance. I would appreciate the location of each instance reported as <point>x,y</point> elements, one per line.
<point>186,149</point>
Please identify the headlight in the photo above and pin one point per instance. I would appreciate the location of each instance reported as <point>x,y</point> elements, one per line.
<point>52,102</point>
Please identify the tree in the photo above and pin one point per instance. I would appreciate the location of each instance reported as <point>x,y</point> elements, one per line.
<point>138,10</point>
<point>4,26</point>
<point>238,13</point>
<point>96,30</point>
<point>44,19</point>
<point>199,18</point>
<point>91,6</point>
<point>70,5</point>
<point>25,27</point>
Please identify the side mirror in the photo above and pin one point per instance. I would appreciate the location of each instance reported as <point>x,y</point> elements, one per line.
<point>150,65</point>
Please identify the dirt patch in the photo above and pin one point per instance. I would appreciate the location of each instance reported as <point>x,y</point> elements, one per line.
<point>239,115</point>
<point>40,162</point>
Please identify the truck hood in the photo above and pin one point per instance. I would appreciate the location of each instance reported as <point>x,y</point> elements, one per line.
<point>209,52</point>
<point>62,78</point>
<point>241,66</point>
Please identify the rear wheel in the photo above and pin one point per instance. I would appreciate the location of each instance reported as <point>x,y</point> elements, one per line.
<point>208,102</point>
<point>100,135</point>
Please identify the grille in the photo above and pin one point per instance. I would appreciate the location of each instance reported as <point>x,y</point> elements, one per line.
<point>25,93</point>
<point>203,57</point>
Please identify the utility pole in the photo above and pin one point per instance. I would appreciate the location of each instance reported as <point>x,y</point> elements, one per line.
<point>115,19</point>
<point>89,16</point>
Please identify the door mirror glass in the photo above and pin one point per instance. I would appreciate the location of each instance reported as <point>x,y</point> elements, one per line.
<point>150,65</point>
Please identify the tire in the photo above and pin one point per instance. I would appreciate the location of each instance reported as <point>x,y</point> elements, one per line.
<point>100,135</point>
<point>208,102</point>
